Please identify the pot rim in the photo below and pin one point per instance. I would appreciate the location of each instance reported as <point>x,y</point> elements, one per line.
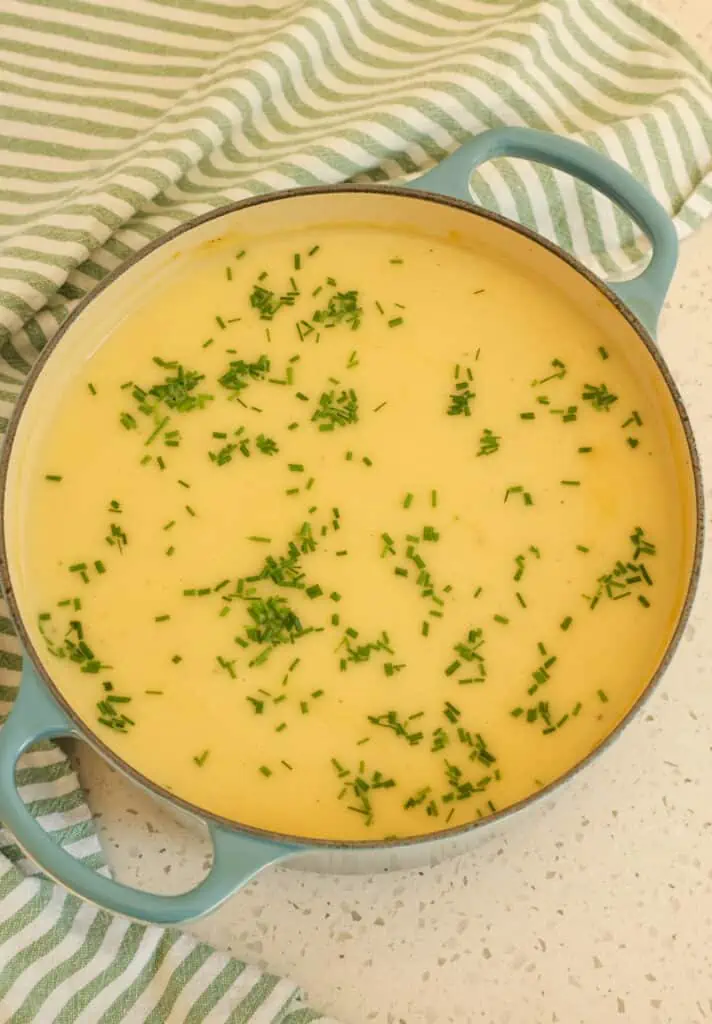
<point>306,842</point>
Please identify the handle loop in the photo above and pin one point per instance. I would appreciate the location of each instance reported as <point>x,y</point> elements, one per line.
<point>645,294</point>
<point>237,857</point>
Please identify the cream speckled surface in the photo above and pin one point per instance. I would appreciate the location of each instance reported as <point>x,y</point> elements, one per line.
<point>593,908</point>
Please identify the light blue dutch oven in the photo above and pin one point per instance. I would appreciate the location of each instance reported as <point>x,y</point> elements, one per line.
<point>441,197</point>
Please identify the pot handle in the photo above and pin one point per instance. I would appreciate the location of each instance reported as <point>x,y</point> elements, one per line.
<point>644,295</point>
<point>237,857</point>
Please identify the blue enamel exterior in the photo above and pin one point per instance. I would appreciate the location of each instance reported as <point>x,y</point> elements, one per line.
<point>36,716</point>
<point>237,856</point>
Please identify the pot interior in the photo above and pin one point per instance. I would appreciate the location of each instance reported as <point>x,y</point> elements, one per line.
<point>307,211</point>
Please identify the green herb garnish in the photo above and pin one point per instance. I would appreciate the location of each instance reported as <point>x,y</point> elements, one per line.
<point>489,442</point>
<point>342,308</point>
<point>558,374</point>
<point>239,374</point>
<point>462,395</point>
<point>336,410</point>
<point>600,397</point>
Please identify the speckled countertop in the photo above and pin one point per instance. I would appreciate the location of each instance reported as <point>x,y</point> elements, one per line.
<point>593,908</point>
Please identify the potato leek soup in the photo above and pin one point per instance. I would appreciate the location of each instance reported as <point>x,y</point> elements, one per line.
<point>355,533</point>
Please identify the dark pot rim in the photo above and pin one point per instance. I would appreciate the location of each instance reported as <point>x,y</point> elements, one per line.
<point>82,729</point>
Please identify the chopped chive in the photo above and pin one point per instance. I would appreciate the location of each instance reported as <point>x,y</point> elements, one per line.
<point>635,417</point>
<point>92,389</point>
<point>585,451</point>
<point>157,431</point>
<point>600,397</point>
<point>602,696</point>
<point>434,499</point>
<point>200,759</point>
<point>53,477</point>
<point>190,511</point>
<point>396,321</point>
<point>502,619</point>
<point>602,352</point>
<point>162,618</point>
<point>565,623</point>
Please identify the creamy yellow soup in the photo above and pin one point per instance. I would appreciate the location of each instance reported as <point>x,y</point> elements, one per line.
<point>356,533</point>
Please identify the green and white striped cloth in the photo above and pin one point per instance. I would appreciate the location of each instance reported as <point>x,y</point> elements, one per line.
<point>120,120</point>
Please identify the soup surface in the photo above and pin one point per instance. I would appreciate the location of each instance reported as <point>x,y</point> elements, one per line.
<point>356,533</point>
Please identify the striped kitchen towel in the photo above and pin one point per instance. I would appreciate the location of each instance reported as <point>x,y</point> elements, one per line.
<point>121,119</point>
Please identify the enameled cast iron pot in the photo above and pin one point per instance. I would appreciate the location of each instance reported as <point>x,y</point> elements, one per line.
<point>439,199</point>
